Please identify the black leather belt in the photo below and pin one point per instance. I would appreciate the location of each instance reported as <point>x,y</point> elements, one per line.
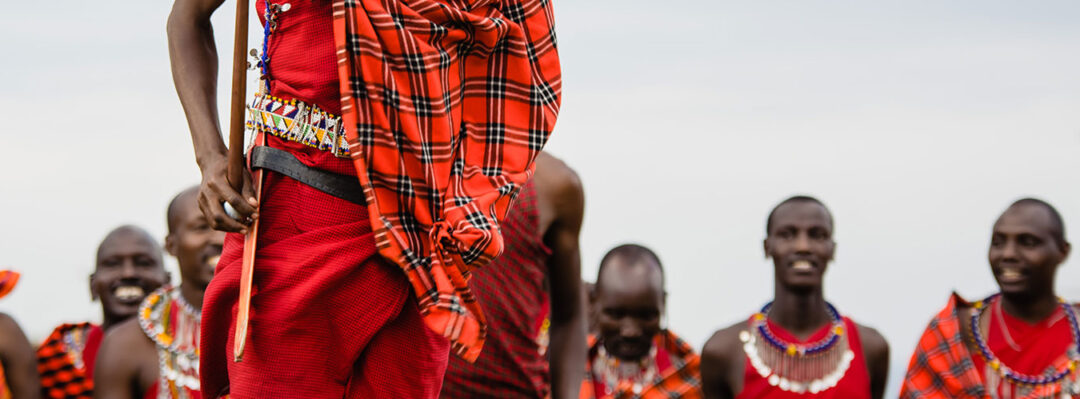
<point>341,186</point>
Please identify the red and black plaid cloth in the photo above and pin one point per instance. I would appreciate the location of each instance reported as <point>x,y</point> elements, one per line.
<point>941,366</point>
<point>514,297</point>
<point>446,104</point>
<point>681,380</point>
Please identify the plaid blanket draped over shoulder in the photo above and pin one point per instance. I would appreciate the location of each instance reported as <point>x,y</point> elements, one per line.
<point>446,104</point>
<point>942,366</point>
<point>682,380</point>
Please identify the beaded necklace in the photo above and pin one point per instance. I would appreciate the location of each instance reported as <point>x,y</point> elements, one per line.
<point>800,368</point>
<point>615,372</point>
<point>173,324</point>
<point>999,374</point>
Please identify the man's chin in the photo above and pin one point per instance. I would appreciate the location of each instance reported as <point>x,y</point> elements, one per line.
<point>123,310</point>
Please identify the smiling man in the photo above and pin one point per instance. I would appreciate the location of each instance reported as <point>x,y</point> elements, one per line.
<point>155,354</point>
<point>1019,343</point>
<point>129,266</point>
<point>633,354</point>
<point>798,345</point>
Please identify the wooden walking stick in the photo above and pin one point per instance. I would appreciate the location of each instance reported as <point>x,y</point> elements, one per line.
<point>235,172</point>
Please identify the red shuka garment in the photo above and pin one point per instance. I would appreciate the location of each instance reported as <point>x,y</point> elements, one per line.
<point>330,318</point>
<point>512,293</point>
<point>854,385</point>
<point>303,66</point>
<point>1026,348</point>
<point>317,273</point>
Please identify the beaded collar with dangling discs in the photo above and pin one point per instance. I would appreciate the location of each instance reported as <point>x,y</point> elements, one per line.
<point>1016,378</point>
<point>812,367</point>
<point>173,324</point>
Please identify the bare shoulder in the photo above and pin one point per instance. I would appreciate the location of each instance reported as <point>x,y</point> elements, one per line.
<point>874,344</point>
<point>124,339</point>
<point>9,332</point>
<point>724,347</point>
<point>722,362</point>
<point>556,177</point>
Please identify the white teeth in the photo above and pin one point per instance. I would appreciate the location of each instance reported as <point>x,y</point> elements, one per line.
<point>1008,273</point>
<point>802,265</point>
<point>213,260</point>
<point>129,293</point>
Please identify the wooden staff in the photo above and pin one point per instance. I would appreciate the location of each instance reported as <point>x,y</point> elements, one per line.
<point>236,171</point>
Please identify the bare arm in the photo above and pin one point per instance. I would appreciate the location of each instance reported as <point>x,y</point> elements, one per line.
<point>194,66</point>
<point>564,266</point>
<point>721,364</point>
<point>19,360</point>
<point>116,370</point>
<point>877,360</point>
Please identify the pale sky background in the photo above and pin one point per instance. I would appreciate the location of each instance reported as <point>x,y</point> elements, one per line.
<point>917,122</point>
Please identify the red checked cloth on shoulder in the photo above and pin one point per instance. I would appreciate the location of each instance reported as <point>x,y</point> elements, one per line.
<point>942,366</point>
<point>446,103</point>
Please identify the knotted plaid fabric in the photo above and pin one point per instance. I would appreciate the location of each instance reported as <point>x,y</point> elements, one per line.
<point>446,103</point>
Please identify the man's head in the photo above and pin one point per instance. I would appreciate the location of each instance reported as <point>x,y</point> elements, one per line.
<point>1026,248</point>
<point>799,240</point>
<point>195,245</point>
<point>629,298</point>
<point>129,267</point>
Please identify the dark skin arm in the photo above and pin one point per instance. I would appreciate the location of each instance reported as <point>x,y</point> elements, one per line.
<point>194,66</point>
<point>876,351</point>
<point>127,363</point>
<point>19,360</point>
<point>562,206</point>
<point>722,363</point>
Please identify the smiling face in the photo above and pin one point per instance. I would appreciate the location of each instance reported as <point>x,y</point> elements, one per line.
<point>629,302</point>
<point>1024,254</point>
<point>129,267</point>
<point>800,244</point>
<point>196,246</point>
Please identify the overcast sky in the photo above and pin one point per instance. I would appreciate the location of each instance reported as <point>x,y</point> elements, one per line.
<point>917,122</point>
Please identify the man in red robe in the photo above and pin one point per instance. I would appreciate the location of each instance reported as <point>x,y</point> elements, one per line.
<point>633,355</point>
<point>1019,343</point>
<point>18,366</point>
<point>798,345</point>
<point>391,128</point>
<point>154,354</point>
<point>129,266</point>
<point>541,261</point>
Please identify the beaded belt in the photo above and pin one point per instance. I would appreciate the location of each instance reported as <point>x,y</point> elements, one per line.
<point>297,121</point>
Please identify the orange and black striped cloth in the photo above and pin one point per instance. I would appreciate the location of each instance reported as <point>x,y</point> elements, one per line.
<point>8,279</point>
<point>446,103</point>
<point>680,379</point>
<point>66,361</point>
<point>942,366</point>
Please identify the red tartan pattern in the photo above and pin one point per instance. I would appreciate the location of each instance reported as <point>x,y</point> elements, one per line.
<point>681,380</point>
<point>446,103</point>
<point>941,367</point>
<point>512,293</point>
